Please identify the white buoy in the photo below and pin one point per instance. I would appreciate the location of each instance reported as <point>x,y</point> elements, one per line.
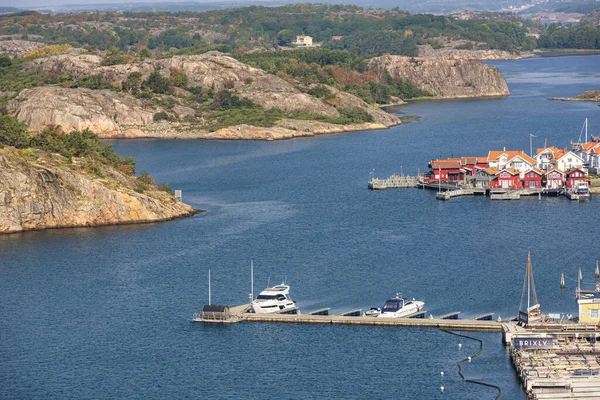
<point>459,345</point>
<point>442,389</point>
<point>469,358</point>
<point>442,373</point>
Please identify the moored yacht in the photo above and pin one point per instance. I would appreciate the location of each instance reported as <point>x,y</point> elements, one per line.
<point>273,299</point>
<point>399,307</point>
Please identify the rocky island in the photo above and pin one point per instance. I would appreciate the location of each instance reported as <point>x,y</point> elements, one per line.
<point>39,191</point>
<point>57,180</point>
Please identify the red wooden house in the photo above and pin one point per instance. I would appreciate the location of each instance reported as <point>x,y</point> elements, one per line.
<point>574,176</point>
<point>445,170</point>
<point>533,178</point>
<point>508,178</point>
<point>555,179</point>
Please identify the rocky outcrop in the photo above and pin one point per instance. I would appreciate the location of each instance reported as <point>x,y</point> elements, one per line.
<point>426,51</point>
<point>443,78</point>
<point>39,191</point>
<point>113,114</point>
<point>590,95</point>
<point>209,70</point>
<point>102,111</point>
<point>16,47</point>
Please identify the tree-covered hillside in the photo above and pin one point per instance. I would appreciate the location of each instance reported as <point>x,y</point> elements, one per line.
<point>365,32</point>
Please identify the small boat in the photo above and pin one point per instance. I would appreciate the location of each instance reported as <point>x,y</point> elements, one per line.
<point>399,307</point>
<point>582,189</point>
<point>373,312</point>
<point>275,299</point>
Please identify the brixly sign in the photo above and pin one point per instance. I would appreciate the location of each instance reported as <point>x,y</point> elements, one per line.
<point>533,343</point>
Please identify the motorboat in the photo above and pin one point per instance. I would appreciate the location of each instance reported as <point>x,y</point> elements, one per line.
<point>373,312</point>
<point>399,307</point>
<point>582,189</point>
<point>273,300</point>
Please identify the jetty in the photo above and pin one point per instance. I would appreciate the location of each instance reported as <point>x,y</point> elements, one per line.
<point>393,182</point>
<point>355,317</point>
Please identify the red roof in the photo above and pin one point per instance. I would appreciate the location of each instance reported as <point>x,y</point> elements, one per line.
<point>524,157</point>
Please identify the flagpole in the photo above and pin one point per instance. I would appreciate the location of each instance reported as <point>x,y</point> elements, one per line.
<point>531,136</point>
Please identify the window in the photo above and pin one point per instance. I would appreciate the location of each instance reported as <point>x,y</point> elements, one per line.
<point>593,313</point>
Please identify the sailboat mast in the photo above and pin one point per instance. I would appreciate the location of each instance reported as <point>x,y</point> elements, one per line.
<point>586,140</point>
<point>528,281</point>
<point>209,287</point>
<point>251,281</point>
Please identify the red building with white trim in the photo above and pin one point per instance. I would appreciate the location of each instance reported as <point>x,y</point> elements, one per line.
<point>574,176</point>
<point>508,178</point>
<point>533,178</point>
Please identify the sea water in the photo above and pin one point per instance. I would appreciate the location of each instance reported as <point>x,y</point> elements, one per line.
<point>106,312</point>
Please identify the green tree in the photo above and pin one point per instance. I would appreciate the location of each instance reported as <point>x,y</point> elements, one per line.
<point>13,132</point>
<point>285,37</point>
<point>157,83</point>
<point>5,61</point>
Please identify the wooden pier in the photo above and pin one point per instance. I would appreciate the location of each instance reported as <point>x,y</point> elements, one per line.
<point>447,195</point>
<point>356,317</point>
<point>393,182</point>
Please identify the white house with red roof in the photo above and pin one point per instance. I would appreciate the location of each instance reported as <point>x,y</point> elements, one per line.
<point>545,157</point>
<point>304,41</point>
<point>516,159</point>
<point>566,160</point>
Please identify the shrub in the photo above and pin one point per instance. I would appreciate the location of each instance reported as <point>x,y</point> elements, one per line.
<point>138,189</point>
<point>132,83</point>
<point>160,116</point>
<point>165,187</point>
<point>157,83</point>
<point>5,61</point>
<point>146,178</point>
<point>95,169</point>
<point>179,78</point>
<point>13,132</point>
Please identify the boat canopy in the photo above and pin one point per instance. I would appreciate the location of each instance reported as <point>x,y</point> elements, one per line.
<point>393,305</point>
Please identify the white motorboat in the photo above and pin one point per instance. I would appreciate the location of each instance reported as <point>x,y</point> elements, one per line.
<point>274,299</point>
<point>399,307</point>
<point>373,312</point>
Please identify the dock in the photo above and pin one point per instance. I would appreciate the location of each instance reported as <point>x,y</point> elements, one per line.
<point>556,361</point>
<point>393,182</point>
<point>447,195</point>
<point>356,317</point>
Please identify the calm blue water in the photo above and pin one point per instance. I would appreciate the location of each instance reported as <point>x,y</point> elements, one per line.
<point>105,312</point>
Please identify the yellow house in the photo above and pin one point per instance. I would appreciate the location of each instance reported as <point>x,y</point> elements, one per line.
<point>304,41</point>
<point>589,305</point>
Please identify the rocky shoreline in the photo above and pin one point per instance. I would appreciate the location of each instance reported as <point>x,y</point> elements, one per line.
<point>590,95</point>
<point>39,190</point>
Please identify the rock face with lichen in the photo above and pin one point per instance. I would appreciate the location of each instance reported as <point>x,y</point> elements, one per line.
<point>444,78</point>
<point>40,191</point>
<point>102,111</point>
<point>113,114</point>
